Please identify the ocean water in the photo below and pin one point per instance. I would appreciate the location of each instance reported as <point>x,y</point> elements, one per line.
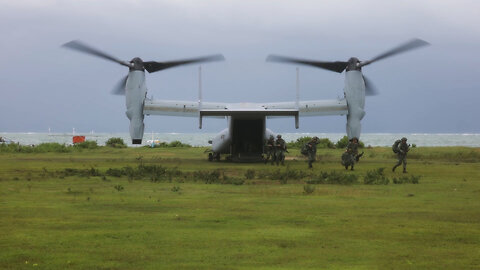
<point>201,139</point>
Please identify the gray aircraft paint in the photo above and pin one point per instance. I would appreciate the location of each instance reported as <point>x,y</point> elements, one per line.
<point>355,94</point>
<point>191,108</point>
<point>135,92</point>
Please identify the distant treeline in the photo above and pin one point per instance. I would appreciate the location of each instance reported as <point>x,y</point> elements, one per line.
<point>63,148</point>
<point>322,143</point>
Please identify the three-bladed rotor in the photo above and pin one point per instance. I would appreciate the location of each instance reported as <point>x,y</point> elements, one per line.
<point>353,63</point>
<point>137,63</point>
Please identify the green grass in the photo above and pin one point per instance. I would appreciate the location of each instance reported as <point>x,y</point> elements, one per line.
<point>56,221</point>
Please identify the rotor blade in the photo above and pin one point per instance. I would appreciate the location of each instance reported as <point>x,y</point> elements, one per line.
<point>410,45</point>
<point>153,66</point>
<point>337,66</point>
<point>370,89</point>
<point>119,88</point>
<point>82,47</point>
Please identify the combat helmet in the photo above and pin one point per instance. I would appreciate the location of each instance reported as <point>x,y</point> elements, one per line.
<point>279,136</point>
<point>404,139</point>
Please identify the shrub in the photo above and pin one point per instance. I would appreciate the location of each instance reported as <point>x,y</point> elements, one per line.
<point>41,148</point>
<point>412,179</point>
<point>250,174</point>
<point>115,142</point>
<point>178,144</point>
<point>114,172</point>
<point>80,172</point>
<point>285,175</point>
<point>342,143</point>
<point>51,147</point>
<point>119,187</point>
<point>154,173</point>
<point>334,177</point>
<point>207,176</point>
<point>175,189</point>
<point>376,177</point>
<point>325,143</point>
<point>9,148</point>
<point>300,142</point>
<point>233,181</point>
<point>87,145</point>
<point>171,144</point>
<point>308,189</point>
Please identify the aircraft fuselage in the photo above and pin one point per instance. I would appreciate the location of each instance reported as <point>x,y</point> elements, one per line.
<point>244,138</point>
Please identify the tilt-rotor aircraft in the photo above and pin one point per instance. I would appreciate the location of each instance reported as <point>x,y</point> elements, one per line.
<point>244,138</point>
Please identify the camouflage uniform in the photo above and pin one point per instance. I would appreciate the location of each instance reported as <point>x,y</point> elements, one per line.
<point>280,148</point>
<point>403,149</point>
<point>312,151</point>
<point>270,149</point>
<point>350,155</point>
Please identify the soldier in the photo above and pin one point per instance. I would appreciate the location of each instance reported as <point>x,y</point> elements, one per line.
<point>311,149</point>
<point>351,154</point>
<point>280,149</point>
<point>402,151</point>
<point>270,149</point>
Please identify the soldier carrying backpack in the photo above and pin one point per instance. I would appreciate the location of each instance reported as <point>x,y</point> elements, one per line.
<point>350,156</point>
<point>401,149</point>
<point>310,150</point>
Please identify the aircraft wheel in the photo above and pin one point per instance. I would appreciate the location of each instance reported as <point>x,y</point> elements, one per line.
<point>217,157</point>
<point>210,157</point>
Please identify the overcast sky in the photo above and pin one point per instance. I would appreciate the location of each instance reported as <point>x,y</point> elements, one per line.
<point>433,89</point>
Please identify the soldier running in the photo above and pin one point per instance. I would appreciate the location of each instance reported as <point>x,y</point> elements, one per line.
<point>280,149</point>
<point>270,149</point>
<point>350,156</point>
<point>402,150</point>
<point>311,148</point>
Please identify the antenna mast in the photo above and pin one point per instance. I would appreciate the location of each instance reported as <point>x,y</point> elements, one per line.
<point>298,89</point>
<point>199,96</point>
<point>297,101</point>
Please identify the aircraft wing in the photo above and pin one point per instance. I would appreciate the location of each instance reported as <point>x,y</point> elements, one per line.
<point>312,107</point>
<point>218,109</point>
<point>179,107</point>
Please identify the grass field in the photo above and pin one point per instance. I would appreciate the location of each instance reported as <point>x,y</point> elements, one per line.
<point>64,211</point>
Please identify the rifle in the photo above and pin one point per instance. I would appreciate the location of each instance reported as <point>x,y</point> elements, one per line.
<point>357,158</point>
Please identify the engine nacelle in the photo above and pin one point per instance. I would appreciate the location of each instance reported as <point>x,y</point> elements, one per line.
<point>355,95</point>
<point>135,93</point>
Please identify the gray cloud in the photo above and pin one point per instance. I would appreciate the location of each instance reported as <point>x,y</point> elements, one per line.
<point>428,90</point>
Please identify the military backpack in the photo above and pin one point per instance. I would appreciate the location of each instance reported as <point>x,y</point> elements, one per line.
<point>395,146</point>
<point>304,149</point>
